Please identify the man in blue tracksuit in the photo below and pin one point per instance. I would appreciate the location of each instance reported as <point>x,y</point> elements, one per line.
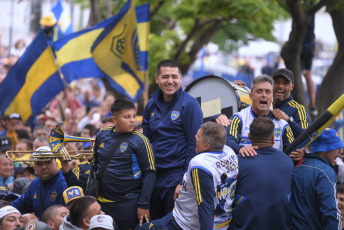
<point>171,120</point>
<point>284,106</point>
<point>264,183</point>
<point>44,191</point>
<point>313,202</point>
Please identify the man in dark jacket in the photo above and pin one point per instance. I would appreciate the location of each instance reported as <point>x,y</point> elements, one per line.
<point>313,203</point>
<point>170,121</point>
<point>285,107</point>
<point>264,183</point>
<point>44,191</point>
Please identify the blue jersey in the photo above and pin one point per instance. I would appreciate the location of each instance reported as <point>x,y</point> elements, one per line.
<point>263,191</point>
<point>82,171</point>
<point>52,191</point>
<point>171,128</point>
<point>237,131</point>
<point>130,170</point>
<point>297,112</point>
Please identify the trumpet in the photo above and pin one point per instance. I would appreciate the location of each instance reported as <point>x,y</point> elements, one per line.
<point>57,139</point>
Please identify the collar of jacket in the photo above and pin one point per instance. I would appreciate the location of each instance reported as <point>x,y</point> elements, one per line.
<point>280,103</point>
<point>158,96</point>
<point>316,156</point>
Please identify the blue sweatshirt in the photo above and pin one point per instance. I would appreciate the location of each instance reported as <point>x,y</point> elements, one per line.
<point>171,128</point>
<point>297,112</point>
<point>130,170</point>
<point>52,191</point>
<point>263,191</point>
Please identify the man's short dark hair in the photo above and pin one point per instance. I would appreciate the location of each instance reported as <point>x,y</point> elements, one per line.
<point>214,134</point>
<point>262,128</point>
<point>51,212</point>
<point>79,208</point>
<point>340,188</point>
<point>22,134</point>
<point>121,104</point>
<point>168,63</point>
<point>261,78</point>
<point>90,127</point>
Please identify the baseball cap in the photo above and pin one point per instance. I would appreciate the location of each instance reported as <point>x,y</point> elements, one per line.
<point>11,197</point>
<point>328,140</point>
<point>38,225</point>
<point>5,143</point>
<point>21,169</point>
<point>42,148</point>
<point>102,221</point>
<point>285,73</point>
<point>15,116</point>
<point>3,191</point>
<point>72,193</point>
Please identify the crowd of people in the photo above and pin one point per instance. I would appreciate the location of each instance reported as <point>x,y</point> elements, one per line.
<point>170,170</point>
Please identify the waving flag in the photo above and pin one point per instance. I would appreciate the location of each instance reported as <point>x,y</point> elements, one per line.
<point>63,18</point>
<point>32,82</point>
<point>117,53</point>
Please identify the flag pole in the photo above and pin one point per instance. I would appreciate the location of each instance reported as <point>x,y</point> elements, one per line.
<point>146,91</point>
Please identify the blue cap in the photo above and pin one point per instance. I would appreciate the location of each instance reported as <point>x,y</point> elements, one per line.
<point>3,190</point>
<point>327,141</point>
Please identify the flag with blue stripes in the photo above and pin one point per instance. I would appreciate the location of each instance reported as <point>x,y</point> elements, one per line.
<point>63,18</point>
<point>73,53</point>
<point>143,30</point>
<point>32,82</point>
<point>117,53</point>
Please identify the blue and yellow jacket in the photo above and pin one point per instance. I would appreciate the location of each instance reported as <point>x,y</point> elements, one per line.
<point>130,170</point>
<point>297,112</point>
<point>82,171</point>
<point>171,128</point>
<point>52,191</point>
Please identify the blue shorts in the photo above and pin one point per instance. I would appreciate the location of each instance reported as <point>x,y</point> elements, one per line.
<point>307,55</point>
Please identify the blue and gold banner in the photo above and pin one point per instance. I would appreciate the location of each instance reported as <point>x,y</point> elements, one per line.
<point>32,82</point>
<point>117,53</point>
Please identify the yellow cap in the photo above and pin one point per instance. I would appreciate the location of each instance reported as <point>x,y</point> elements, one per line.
<point>72,193</point>
<point>48,19</point>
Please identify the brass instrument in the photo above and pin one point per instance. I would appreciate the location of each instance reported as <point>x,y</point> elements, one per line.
<point>57,139</point>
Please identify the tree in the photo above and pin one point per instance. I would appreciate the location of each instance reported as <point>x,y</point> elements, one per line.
<point>179,29</point>
<point>333,84</point>
<point>301,15</point>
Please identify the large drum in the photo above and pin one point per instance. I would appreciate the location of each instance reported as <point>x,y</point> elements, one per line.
<point>217,95</point>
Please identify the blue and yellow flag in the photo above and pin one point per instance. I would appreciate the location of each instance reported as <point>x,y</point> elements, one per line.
<point>32,82</point>
<point>143,29</point>
<point>73,53</point>
<point>117,53</point>
<point>63,18</point>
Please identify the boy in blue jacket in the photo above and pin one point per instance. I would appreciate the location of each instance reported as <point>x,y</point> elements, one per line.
<point>128,179</point>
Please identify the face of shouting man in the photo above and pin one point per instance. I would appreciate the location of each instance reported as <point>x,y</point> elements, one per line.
<point>261,96</point>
